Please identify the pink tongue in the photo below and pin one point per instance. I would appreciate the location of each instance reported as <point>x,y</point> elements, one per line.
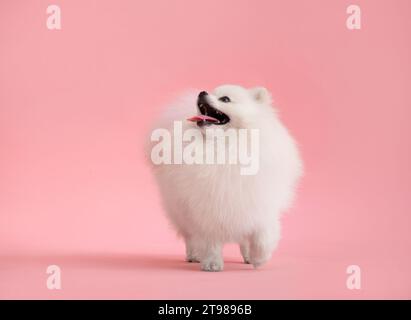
<point>202,118</point>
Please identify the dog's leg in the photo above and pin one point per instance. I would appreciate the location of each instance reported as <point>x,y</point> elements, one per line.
<point>192,254</point>
<point>245,250</point>
<point>263,243</point>
<point>211,257</point>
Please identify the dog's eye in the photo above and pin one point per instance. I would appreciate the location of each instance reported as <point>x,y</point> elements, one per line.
<point>225,99</point>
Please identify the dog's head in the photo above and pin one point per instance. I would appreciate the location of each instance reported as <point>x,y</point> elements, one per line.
<point>231,106</point>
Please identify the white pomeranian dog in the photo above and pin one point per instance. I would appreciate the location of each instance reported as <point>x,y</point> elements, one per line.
<point>212,202</point>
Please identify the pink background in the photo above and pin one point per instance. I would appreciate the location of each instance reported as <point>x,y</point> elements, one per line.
<point>76,104</point>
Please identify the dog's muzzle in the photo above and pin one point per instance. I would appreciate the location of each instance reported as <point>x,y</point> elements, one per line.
<point>208,114</point>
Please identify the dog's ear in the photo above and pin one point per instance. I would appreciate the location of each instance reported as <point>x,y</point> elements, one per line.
<point>261,95</point>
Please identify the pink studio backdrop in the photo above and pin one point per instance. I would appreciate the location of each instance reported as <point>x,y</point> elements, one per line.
<point>76,104</point>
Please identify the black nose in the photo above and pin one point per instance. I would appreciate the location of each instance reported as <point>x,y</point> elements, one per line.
<point>202,94</point>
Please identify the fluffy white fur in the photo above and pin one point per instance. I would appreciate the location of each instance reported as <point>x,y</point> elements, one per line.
<point>211,205</point>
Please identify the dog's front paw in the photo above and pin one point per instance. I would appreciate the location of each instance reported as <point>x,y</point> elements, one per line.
<point>192,258</point>
<point>258,260</point>
<point>212,265</point>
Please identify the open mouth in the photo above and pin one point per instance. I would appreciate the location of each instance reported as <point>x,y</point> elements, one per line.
<point>209,115</point>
